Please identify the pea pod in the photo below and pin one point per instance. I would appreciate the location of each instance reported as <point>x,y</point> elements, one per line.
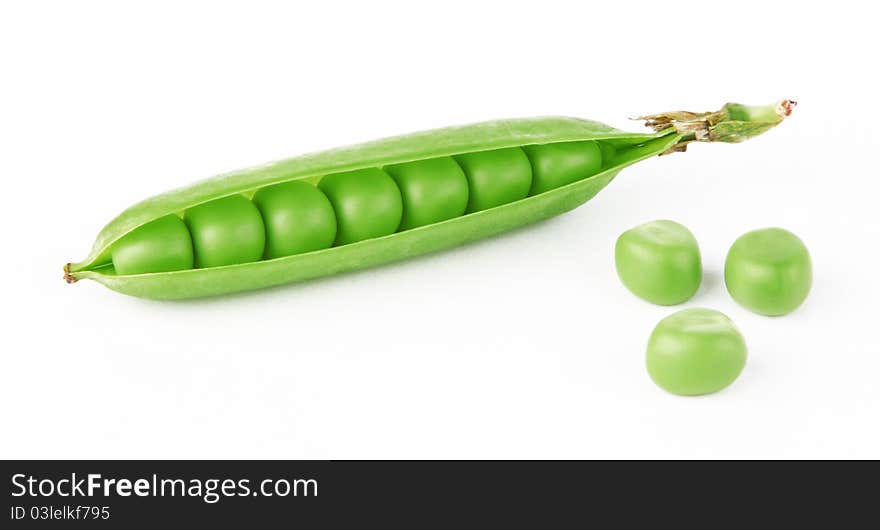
<point>516,172</point>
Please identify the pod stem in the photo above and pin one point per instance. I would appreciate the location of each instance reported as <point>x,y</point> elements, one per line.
<point>733,123</point>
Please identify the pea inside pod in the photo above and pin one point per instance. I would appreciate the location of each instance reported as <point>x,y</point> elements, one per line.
<point>298,217</point>
<point>389,200</point>
<point>558,164</point>
<point>367,204</point>
<point>432,190</point>
<point>163,245</point>
<point>496,177</point>
<point>226,231</point>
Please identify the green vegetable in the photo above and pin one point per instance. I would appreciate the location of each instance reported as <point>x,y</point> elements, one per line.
<point>226,231</point>
<point>695,351</point>
<point>162,245</point>
<point>496,177</point>
<point>659,262</point>
<point>433,190</point>
<point>367,204</point>
<point>298,216</point>
<point>558,164</point>
<point>392,199</point>
<point>769,271</point>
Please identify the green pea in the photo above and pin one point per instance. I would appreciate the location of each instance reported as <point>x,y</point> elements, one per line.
<point>298,218</point>
<point>163,245</point>
<point>226,231</point>
<point>695,351</point>
<point>769,271</point>
<point>367,204</point>
<point>555,165</point>
<point>433,190</point>
<point>659,262</point>
<point>496,177</point>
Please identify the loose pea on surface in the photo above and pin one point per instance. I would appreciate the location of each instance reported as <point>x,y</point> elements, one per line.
<point>659,262</point>
<point>433,190</point>
<point>769,271</point>
<point>163,245</point>
<point>561,163</point>
<point>695,351</point>
<point>298,218</point>
<point>367,204</point>
<point>226,231</point>
<point>496,177</point>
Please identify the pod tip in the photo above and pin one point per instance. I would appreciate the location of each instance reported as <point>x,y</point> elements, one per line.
<point>68,277</point>
<point>786,106</point>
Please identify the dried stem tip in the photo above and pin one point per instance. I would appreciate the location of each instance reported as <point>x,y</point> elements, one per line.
<point>733,123</point>
<point>68,277</point>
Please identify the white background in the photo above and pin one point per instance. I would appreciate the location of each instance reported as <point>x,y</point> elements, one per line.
<point>523,346</point>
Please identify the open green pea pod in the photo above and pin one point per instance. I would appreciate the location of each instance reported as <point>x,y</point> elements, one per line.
<point>360,206</point>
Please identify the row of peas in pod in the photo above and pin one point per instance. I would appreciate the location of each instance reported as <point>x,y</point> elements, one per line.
<point>297,217</point>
